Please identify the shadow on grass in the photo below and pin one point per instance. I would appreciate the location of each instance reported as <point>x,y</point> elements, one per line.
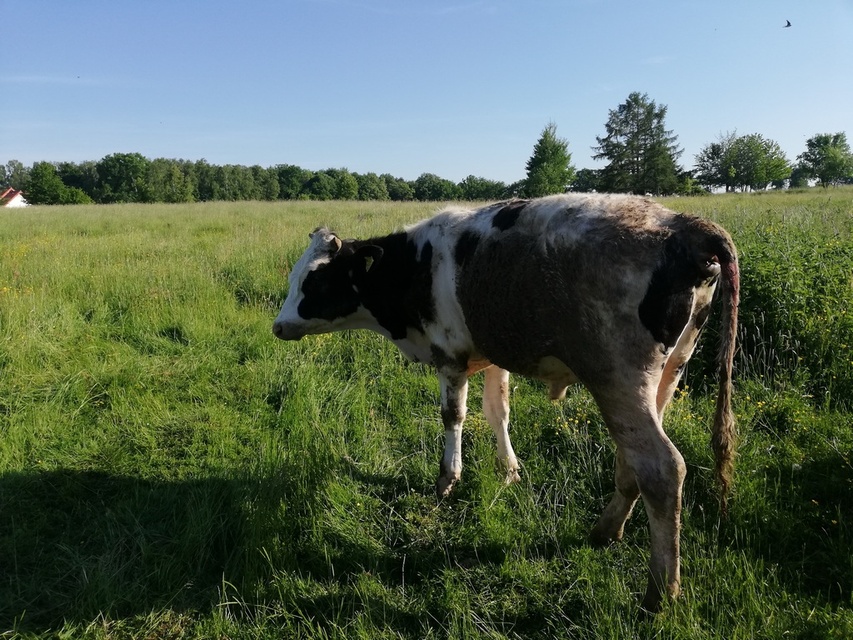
<point>74,544</point>
<point>802,525</point>
<point>77,544</point>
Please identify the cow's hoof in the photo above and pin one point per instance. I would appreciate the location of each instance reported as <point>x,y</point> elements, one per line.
<point>656,597</point>
<point>508,468</point>
<point>652,602</point>
<point>557,391</point>
<point>443,486</point>
<point>600,538</point>
<point>512,476</point>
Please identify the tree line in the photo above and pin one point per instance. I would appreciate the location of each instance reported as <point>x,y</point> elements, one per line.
<point>641,156</point>
<point>131,177</point>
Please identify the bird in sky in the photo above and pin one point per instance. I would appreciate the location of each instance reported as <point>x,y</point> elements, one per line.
<point>787,25</point>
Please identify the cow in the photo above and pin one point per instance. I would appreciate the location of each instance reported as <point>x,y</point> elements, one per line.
<point>611,291</point>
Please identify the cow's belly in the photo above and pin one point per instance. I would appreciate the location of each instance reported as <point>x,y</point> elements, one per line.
<point>557,320</point>
<point>477,364</point>
<point>552,369</point>
<point>538,343</point>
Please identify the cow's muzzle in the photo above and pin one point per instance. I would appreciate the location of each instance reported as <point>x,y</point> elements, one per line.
<point>287,331</point>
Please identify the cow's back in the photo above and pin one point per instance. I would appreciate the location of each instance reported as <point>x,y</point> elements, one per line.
<point>561,279</point>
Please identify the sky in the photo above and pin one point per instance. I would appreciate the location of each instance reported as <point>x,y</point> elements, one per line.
<point>451,87</point>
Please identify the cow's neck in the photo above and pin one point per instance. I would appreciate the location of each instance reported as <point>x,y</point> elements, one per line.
<point>397,291</point>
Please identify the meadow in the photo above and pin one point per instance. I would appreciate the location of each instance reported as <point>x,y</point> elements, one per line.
<point>170,470</point>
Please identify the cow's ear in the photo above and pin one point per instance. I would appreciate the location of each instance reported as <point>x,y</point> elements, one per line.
<point>367,256</point>
<point>332,241</point>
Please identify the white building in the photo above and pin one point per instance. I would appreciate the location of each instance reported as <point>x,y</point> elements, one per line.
<point>13,198</point>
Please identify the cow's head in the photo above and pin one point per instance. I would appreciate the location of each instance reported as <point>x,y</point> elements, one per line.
<point>324,292</point>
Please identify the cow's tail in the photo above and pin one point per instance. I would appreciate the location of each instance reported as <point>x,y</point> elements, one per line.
<point>723,438</point>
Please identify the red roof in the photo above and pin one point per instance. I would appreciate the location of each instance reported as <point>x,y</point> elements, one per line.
<point>8,194</point>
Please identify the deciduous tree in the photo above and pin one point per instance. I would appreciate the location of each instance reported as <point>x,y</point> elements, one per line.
<point>121,178</point>
<point>46,187</point>
<point>321,186</point>
<point>346,186</point>
<point>475,188</point>
<point>586,181</point>
<point>715,164</point>
<point>266,183</point>
<point>828,158</point>
<point>234,182</point>
<point>16,175</point>
<point>741,162</point>
<point>371,187</point>
<point>399,189</point>
<point>430,187</point>
<point>166,182</point>
<point>759,162</point>
<point>205,174</point>
<point>292,181</point>
<point>82,175</point>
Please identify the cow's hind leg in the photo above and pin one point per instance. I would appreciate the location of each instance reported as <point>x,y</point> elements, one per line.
<point>454,397</point>
<point>660,481</point>
<point>496,408</point>
<point>611,524</point>
<point>659,471</point>
<point>680,354</point>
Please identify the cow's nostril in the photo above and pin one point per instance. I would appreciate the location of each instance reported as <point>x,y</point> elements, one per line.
<point>287,331</point>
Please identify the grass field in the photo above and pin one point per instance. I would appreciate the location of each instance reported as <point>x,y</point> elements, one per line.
<point>169,470</point>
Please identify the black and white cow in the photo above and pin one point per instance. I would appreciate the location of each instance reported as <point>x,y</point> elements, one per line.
<point>610,291</point>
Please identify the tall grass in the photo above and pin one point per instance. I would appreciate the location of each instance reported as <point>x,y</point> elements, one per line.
<point>797,278</point>
<point>168,470</point>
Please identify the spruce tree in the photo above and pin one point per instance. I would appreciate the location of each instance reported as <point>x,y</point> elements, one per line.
<point>641,151</point>
<point>549,169</point>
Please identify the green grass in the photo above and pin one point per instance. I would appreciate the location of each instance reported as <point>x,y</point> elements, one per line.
<point>169,470</point>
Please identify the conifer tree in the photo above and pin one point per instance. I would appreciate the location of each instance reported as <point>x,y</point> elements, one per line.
<point>641,151</point>
<point>549,169</point>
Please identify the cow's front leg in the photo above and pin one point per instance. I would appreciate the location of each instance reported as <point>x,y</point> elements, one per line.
<point>454,397</point>
<point>496,408</point>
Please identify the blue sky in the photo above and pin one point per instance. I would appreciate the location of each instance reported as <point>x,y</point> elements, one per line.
<point>452,87</point>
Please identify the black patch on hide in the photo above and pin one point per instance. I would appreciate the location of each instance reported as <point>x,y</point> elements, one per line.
<point>701,317</point>
<point>397,288</point>
<point>465,247</point>
<point>443,360</point>
<point>508,215</point>
<point>665,309</point>
<point>328,289</point>
<point>383,274</point>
